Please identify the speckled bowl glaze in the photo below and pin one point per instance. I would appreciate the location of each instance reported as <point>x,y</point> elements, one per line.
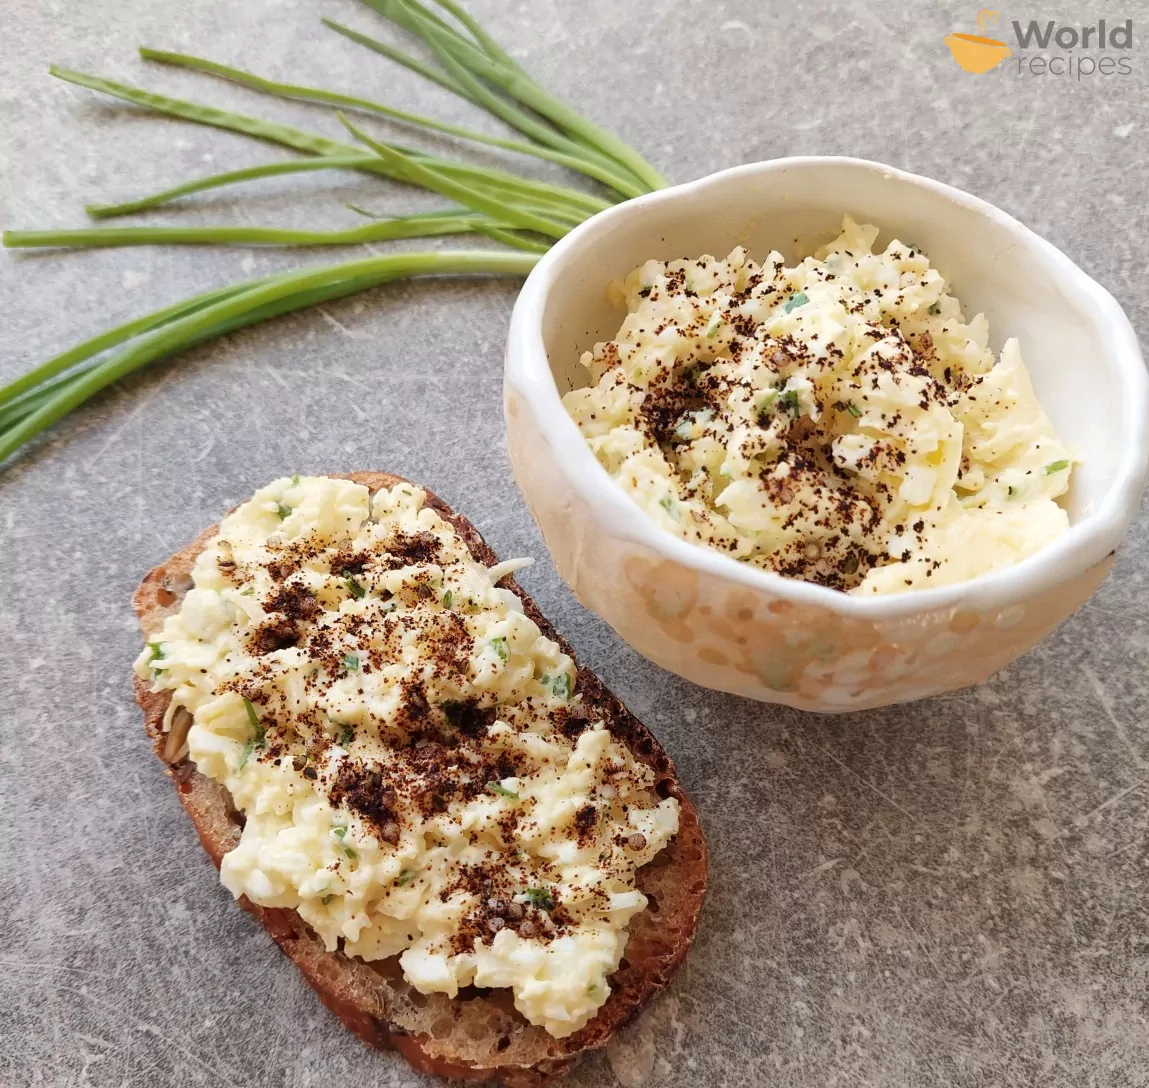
<point>729,626</point>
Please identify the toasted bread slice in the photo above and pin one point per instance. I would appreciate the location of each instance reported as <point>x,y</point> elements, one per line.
<point>479,1035</point>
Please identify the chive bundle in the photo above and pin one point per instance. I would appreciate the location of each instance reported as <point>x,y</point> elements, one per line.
<point>523,216</point>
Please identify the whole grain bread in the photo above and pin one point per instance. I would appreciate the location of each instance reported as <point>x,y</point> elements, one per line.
<point>479,1035</point>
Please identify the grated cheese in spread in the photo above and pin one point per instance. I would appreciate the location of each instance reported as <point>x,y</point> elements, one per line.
<point>419,775</point>
<point>837,422</point>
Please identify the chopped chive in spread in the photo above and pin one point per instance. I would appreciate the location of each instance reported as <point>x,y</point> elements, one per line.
<point>282,511</point>
<point>247,592</point>
<point>260,733</point>
<point>935,309</point>
<point>499,645</point>
<point>405,877</point>
<point>448,597</point>
<point>351,855</point>
<point>765,408</point>
<point>715,324</point>
<point>800,299</point>
<point>351,662</point>
<point>541,898</point>
<point>245,755</point>
<point>1056,466</point>
<point>347,736</point>
<point>561,686</point>
<point>358,590</point>
<point>339,832</point>
<point>788,401</point>
<point>155,651</point>
<point>667,504</point>
<point>500,790</point>
<point>691,420</point>
<point>295,479</point>
<point>847,406</point>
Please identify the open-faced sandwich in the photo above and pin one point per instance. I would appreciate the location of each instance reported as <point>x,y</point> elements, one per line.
<point>470,848</point>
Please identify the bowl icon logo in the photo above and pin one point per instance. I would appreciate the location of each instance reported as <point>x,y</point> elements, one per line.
<point>979,53</point>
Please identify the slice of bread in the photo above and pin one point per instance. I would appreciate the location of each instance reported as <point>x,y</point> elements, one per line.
<point>479,1035</point>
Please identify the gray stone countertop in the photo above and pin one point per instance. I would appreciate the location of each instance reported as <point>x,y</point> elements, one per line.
<point>948,893</point>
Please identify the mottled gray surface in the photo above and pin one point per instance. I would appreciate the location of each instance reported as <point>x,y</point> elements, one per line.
<point>947,893</point>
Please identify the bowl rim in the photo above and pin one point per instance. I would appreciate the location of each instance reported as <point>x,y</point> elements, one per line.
<point>1086,543</point>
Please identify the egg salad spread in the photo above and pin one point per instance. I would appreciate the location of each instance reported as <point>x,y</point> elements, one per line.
<point>837,421</point>
<point>418,775</point>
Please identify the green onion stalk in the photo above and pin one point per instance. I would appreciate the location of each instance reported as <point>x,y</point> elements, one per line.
<point>523,216</point>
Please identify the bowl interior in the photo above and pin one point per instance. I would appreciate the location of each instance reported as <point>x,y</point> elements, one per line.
<point>995,266</point>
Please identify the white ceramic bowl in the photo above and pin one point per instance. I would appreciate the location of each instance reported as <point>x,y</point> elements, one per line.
<point>729,626</point>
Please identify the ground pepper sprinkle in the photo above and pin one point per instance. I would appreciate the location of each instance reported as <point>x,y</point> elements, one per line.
<point>420,771</point>
<point>800,418</point>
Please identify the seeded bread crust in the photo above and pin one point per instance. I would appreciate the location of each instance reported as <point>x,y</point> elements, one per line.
<point>479,1035</point>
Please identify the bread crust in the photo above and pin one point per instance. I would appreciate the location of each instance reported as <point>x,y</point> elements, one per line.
<point>478,1036</point>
